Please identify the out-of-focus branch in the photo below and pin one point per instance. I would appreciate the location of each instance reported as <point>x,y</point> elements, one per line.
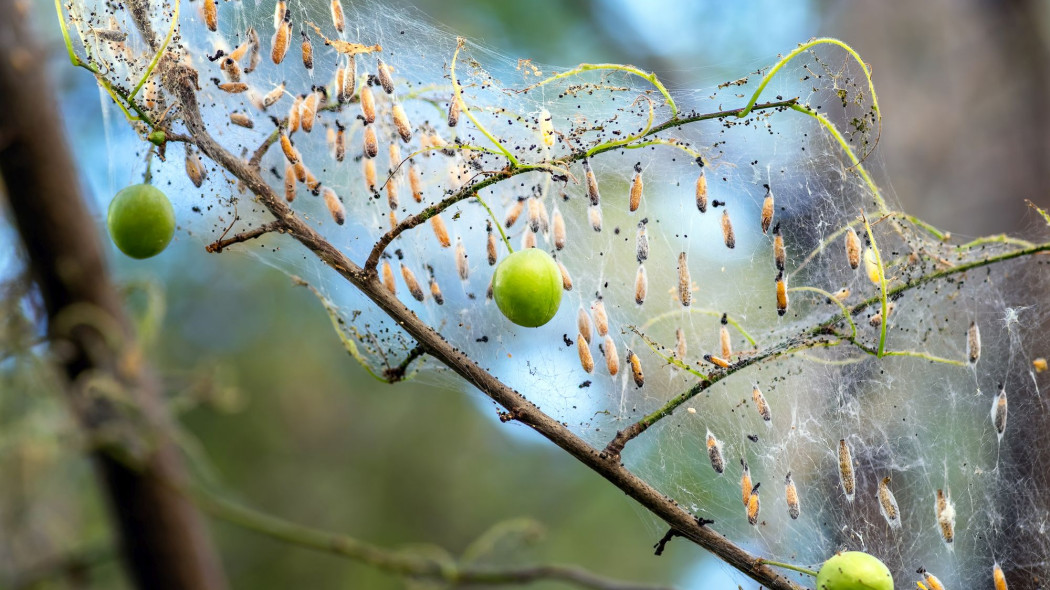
<point>164,541</point>
<point>403,563</point>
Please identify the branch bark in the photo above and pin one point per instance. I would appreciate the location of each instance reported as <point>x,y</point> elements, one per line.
<point>164,539</point>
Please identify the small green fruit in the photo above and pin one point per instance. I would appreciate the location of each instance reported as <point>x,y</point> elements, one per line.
<point>527,287</point>
<point>854,570</point>
<point>141,221</point>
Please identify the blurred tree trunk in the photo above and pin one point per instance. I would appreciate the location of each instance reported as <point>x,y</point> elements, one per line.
<point>165,542</point>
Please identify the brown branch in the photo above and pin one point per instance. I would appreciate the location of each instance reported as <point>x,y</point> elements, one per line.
<point>165,543</point>
<point>395,374</point>
<point>219,245</point>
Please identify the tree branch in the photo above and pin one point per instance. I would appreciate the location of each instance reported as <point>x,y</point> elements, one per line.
<point>222,243</point>
<point>401,563</point>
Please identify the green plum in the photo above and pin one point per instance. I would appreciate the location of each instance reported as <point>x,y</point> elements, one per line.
<point>854,570</point>
<point>527,287</point>
<point>141,221</point>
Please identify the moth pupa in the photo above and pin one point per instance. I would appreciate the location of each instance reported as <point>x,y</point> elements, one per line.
<point>231,69</point>
<point>584,350</point>
<point>767,210</point>
<point>601,320</point>
<point>339,149</point>
<point>393,219</point>
<point>254,51</point>
<point>853,248</point>
<point>488,292</point>
<point>308,51</point>
<point>289,182</point>
<point>295,114</point>
<point>945,516</point>
<point>1039,364</point>
<point>685,284</point>
<point>888,504</point>
<point>724,338</point>
<point>929,581</point>
<point>680,345</point>
<point>411,283</point>
<point>973,343</point>
<point>308,111</point>
<point>791,494</point>
<point>782,295</point>
<point>999,413</point>
<point>779,253</point>
<point>335,206</point>
<point>714,453</point>
<point>546,127</point>
<point>404,128</point>
<point>311,182</point>
<point>368,166</point>
<point>338,16</point>
<point>414,182</point>
<point>271,97</point>
<point>595,216</point>
<point>242,50</point>
<point>195,168</point>
<point>612,357</point>
<point>338,84</point>
<point>435,290</point>
<point>492,247</point>
<point>846,476</point>
<point>514,212</point>
<point>300,171</point>
<point>998,577</point>
<point>592,183</point>
<point>701,190</point>
<point>391,193</point>
<point>385,79</point>
<point>210,11</point>
<point>281,40</point>
<point>761,405</point>
<point>745,481</point>
<point>642,243</point>
<point>440,231</point>
<point>727,230</point>
<point>388,278</point>
<point>636,368</point>
<point>545,220</point>
<point>371,144</point>
<point>641,285</point>
<point>241,120</point>
<point>453,111</point>
<point>233,87</point>
<point>462,265</point>
<point>876,320</point>
<point>636,188</point>
<point>350,78</point>
<point>842,294</point>
<point>368,105</point>
<point>583,325</point>
<point>534,207</point>
<point>717,361</point>
<point>871,266</point>
<point>566,278</point>
<point>528,239</point>
<point>753,506</point>
<point>558,224</point>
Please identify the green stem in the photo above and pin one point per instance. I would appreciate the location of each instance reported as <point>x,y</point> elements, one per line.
<point>629,139</point>
<point>651,77</point>
<point>458,91</point>
<point>832,298</point>
<point>156,58</point>
<point>495,222</point>
<point>788,566</point>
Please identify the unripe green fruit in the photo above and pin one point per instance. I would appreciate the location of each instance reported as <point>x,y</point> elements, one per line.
<point>527,287</point>
<point>141,221</point>
<point>854,570</point>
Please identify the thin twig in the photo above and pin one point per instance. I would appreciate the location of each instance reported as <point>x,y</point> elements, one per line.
<point>221,244</point>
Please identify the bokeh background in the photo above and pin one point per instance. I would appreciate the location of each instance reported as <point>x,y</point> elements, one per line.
<point>283,416</point>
